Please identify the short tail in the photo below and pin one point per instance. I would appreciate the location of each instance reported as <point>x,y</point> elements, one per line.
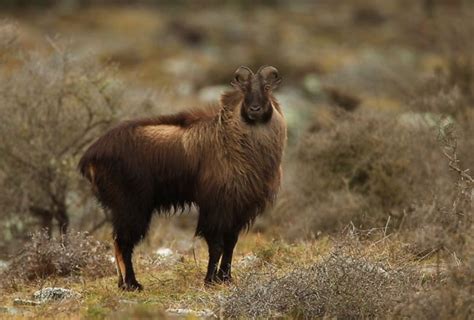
<point>87,168</point>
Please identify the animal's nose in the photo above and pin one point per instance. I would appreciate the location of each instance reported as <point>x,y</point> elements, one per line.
<point>255,108</point>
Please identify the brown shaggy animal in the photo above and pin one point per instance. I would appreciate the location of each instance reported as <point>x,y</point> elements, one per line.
<point>225,160</point>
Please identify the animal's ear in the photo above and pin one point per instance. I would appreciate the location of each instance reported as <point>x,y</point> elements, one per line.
<point>242,77</point>
<point>270,77</point>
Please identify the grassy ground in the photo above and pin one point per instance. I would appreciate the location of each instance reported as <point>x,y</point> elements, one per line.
<point>177,282</point>
<point>174,282</point>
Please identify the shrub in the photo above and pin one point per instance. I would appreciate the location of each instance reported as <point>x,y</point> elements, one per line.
<point>452,298</point>
<point>52,105</point>
<point>44,257</point>
<point>446,223</point>
<point>362,169</point>
<point>344,285</point>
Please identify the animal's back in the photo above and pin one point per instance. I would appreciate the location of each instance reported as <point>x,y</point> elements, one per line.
<point>144,162</point>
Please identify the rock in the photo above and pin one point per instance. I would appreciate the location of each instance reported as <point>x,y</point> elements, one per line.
<point>206,313</point>
<point>54,294</point>
<point>312,84</point>
<point>3,265</point>
<point>25,302</point>
<point>130,302</point>
<point>164,252</point>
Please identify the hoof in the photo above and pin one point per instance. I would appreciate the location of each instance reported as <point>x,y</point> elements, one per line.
<point>219,278</point>
<point>224,278</point>
<point>133,286</point>
<point>209,282</point>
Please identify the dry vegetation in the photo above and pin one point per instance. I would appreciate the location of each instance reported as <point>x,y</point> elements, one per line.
<point>56,104</point>
<point>376,215</point>
<point>364,168</point>
<point>347,284</point>
<point>78,255</point>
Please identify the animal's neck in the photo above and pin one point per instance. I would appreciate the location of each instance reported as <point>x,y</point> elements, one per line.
<point>238,138</point>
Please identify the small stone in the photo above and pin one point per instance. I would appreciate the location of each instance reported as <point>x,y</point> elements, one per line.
<point>125,301</point>
<point>54,294</point>
<point>205,313</point>
<point>25,302</point>
<point>164,252</point>
<point>3,265</point>
<point>312,84</point>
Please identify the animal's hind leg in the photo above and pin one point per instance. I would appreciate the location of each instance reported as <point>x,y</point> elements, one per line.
<point>230,240</point>
<point>126,235</point>
<point>120,263</point>
<point>129,282</point>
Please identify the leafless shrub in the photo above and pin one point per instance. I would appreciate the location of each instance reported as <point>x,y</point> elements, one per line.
<point>364,169</point>
<point>452,298</point>
<point>44,257</point>
<point>447,227</point>
<point>446,222</point>
<point>441,96</point>
<point>345,285</point>
<point>52,107</point>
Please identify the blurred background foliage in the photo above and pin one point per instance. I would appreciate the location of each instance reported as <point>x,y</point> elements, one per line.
<point>368,88</point>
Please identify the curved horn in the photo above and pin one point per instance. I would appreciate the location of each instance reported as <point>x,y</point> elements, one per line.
<point>270,76</point>
<point>241,76</point>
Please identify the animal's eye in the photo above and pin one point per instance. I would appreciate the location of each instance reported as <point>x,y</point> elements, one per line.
<point>267,87</point>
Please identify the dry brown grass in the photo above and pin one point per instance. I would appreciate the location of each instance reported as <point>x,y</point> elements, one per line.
<point>78,255</point>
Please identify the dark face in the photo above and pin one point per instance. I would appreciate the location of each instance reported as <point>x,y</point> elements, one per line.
<point>257,89</point>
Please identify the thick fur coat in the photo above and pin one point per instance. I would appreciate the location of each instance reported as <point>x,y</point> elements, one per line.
<point>213,158</point>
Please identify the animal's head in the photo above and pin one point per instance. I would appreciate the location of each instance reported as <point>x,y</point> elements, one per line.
<point>257,90</point>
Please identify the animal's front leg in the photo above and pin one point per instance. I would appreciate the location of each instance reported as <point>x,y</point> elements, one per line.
<point>230,240</point>
<point>215,247</point>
